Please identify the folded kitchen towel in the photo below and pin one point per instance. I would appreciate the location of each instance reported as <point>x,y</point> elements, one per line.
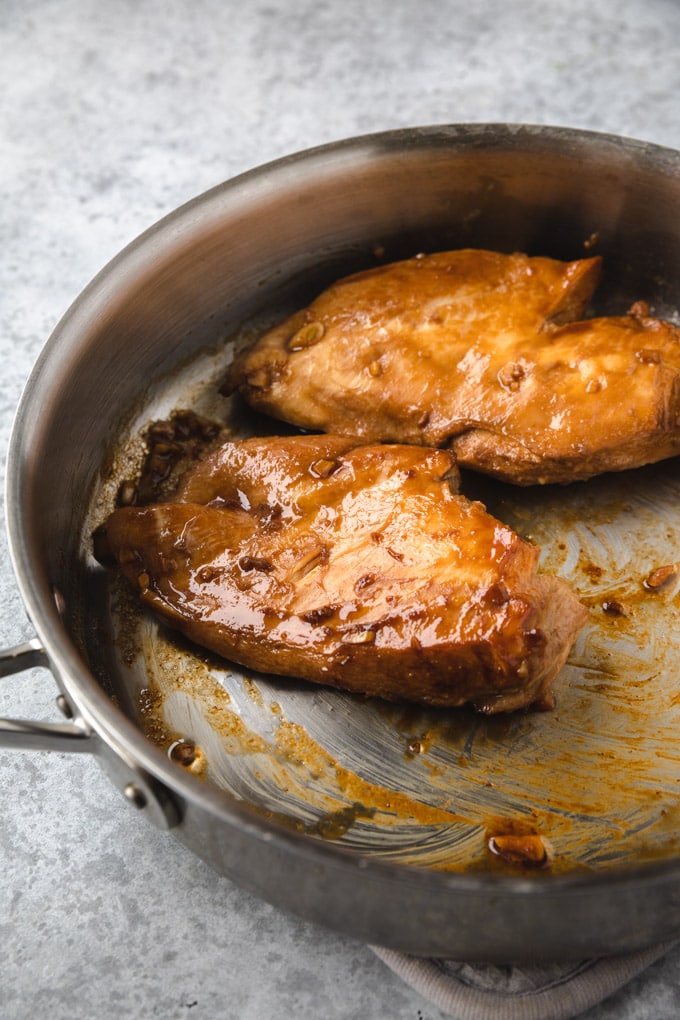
<point>550,991</point>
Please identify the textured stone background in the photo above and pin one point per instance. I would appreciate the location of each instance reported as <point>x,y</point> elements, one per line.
<point>112,114</point>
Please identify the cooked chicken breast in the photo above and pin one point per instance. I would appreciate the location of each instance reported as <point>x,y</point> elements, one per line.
<point>480,352</point>
<point>354,566</point>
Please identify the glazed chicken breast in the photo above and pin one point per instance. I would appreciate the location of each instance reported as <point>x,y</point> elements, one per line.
<point>356,566</point>
<point>484,353</point>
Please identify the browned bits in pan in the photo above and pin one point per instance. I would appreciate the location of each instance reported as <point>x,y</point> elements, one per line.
<point>529,851</point>
<point>183,752</point>
<point>660,577</point>
<point>614,607</point>
<point>171,445</point>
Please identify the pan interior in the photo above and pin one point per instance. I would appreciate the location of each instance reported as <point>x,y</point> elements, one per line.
<point>597,778</point>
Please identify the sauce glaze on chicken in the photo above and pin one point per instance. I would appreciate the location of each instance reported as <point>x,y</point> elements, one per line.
<point>486,354</point>
<point>357,566</point>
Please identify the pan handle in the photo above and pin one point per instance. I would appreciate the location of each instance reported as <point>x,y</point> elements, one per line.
<point>39,736</point>
<point>138,787</point>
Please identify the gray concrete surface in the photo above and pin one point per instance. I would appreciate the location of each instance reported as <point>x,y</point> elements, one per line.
<point>111,114</point>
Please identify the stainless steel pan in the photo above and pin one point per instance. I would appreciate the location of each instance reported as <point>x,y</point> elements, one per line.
<point>373,820</point>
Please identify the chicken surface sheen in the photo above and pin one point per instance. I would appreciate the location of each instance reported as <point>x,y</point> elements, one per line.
<point>484,353</point>
<point>354,566</point>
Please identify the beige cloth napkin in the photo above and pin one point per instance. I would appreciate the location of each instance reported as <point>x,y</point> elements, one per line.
<point>551,991</point>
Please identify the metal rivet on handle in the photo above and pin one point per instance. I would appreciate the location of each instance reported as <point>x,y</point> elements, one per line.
<point>64,707</point>
<point>135,795</point>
